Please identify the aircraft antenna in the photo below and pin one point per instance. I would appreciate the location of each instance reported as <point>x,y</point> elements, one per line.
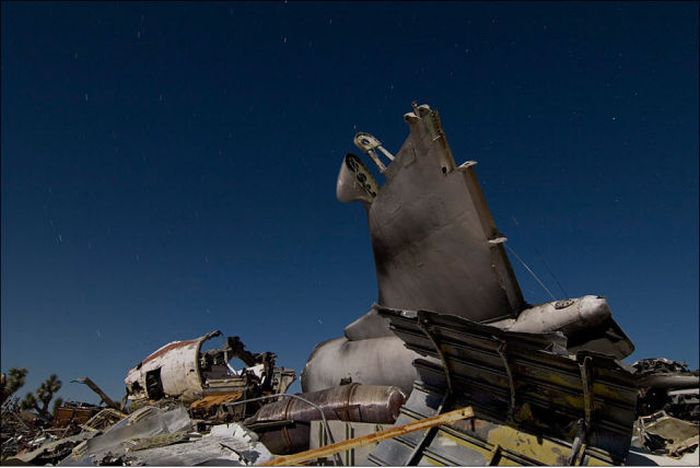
<point>531,272</point>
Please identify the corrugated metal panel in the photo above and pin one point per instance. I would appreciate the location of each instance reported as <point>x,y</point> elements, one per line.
<point>530,400</point>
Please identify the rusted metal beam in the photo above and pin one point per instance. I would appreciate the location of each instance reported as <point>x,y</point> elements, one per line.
<point>427,423</point>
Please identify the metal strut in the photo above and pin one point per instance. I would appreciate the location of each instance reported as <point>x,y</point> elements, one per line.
<point>578,448</point>
<point>586,380</point>
<point>424,325</point>
<point>414,457</point>
<point>502,351</point>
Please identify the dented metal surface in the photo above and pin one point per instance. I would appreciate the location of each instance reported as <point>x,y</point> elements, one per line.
<point>533,401</point>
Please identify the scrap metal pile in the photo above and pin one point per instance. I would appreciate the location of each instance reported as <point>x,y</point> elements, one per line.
<point>450,366</point>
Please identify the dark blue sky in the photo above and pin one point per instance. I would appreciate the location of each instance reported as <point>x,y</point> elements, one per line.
<point>169,169</point>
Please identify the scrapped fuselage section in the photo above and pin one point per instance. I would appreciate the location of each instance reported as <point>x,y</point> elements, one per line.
<point>436,247</point>
<point>452,329</point>
<point>182,370</point>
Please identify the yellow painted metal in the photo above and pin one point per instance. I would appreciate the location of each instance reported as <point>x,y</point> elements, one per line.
<point>215,400</point>
<point>529,446</point>
<point>505,445</point>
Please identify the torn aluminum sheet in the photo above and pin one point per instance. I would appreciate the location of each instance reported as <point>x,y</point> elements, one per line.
<point>226,444</point>
<point>181,370</point>
<point>143,423</point>
<point>54,450</point>
<point>283,426</point>
<point>102,420</point>
<point>663,434</point>
<point>436,247</point>
<point>534,403</point>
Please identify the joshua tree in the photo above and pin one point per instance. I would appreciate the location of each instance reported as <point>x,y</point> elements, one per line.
<point>10,383</point>
<point>44,394</point>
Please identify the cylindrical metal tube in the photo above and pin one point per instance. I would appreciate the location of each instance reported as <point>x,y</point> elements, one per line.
<point>670,381</point>
<point>353,402</point>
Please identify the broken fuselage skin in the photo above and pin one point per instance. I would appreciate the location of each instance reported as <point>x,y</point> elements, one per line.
<point>180,369</point>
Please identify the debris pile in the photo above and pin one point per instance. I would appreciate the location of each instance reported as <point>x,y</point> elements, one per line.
<point>668,407</point>
<point>450,366</point>
<point>18,429</point>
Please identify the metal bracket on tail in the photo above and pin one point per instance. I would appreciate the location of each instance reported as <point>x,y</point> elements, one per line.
<point>368,143</point>
<point>464,167</point>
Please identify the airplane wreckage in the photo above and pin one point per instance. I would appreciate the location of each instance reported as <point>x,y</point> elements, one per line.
<point>451,366</point>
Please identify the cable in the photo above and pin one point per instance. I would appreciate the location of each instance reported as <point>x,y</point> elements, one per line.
<point>531,272</point>
<point>551,273</point>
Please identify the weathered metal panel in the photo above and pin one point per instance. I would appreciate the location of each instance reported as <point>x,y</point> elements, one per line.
<point>430,229</point>
<point>477,442</point>
<point>534,403</point>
